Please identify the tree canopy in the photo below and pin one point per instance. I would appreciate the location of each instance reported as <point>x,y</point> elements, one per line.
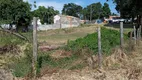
<point>129,8</point>
<point>96,10</point>
<point>45,14</point>
<point>13,10</point>
<point>106,10</point>
<point>72,9</point>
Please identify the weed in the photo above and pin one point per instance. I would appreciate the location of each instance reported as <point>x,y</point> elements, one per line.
<point>110,38</point>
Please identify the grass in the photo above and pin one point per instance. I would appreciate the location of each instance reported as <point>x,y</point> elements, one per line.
<point>21,67</point>
<point>13,50</point>
<point>127,27</point>
<point>9,39</point>
<point>110,39</point>
<point>61,36</point>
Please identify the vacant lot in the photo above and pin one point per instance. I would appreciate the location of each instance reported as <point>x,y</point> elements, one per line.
<point>61,36</point>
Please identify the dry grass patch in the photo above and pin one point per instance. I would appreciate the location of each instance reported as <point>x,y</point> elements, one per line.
<point>61,36</point>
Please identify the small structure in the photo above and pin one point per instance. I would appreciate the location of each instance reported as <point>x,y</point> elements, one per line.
<point>56,19</point>
<point>60,21</point>
<point>64,21</point>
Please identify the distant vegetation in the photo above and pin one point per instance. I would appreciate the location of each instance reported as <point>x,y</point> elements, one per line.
<point>110,39</point>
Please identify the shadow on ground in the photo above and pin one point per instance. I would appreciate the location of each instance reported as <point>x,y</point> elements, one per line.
<point>117,25</point>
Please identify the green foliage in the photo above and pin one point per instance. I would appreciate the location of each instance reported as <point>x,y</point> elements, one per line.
<point>12,10</point>
<point>106,10</point>
<point>109,39</point>
<point>128,8</point>
<point>23,67</point>
<point>45,14</point>
<point>94,9</point>
<point>72,10</point>
<point>97,11</point>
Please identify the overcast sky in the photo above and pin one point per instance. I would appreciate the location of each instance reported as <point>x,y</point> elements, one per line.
<point>58,4</point>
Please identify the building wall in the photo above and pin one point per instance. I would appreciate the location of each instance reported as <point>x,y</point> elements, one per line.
<point>61,21</point>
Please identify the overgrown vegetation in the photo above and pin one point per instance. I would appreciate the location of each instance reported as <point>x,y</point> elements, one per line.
<point>109,38</point>
<point>9,39</point>
<point>81,49</point>
<point>22,67</point>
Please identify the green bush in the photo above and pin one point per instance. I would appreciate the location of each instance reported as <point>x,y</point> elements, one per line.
<point>109,38</point>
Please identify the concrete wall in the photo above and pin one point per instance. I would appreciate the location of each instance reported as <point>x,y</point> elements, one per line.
<point>53,26</point>
<point>61,21</point>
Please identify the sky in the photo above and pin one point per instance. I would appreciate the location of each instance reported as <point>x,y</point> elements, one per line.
<point>58,4</point>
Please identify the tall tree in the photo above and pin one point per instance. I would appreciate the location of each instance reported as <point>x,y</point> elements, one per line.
<point>93,11</point>
<point>72,9</point>
<point>106,10</point>
<point>130,9</point>
<point>13,10</point>
<point>45,14</point>
<point>16,11</point>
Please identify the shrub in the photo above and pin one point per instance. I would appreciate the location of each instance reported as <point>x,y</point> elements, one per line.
<point>109,38</point>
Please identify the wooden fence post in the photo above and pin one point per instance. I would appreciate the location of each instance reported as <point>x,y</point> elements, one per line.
<point>138,36</point>
<point>131,42</point>
<point>140,31</point>
<point>99,48</point>
<point>34,60</point>
<point>135,35</point>
<point>121,35</point>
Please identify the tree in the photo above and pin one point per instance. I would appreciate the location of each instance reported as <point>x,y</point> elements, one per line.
<point>106,10</point>
<point>72,9</point>
<point>13,11</point>
<point>130,9</point>
<point>45,14</point>
<point>93,11</point>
